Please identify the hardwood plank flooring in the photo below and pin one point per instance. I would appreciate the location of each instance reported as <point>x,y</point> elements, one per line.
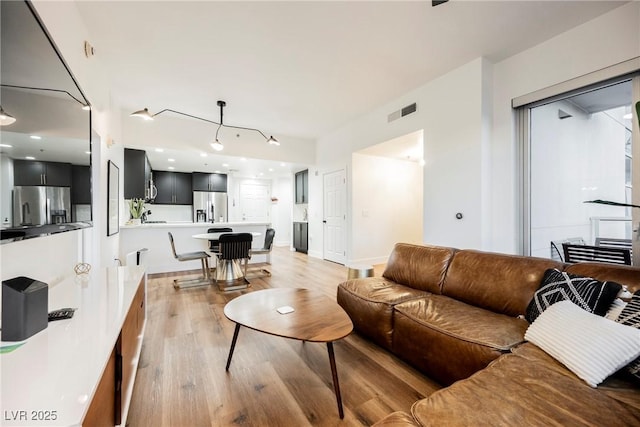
<point>182,382</point>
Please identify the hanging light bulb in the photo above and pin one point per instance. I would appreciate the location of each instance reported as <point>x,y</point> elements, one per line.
<point>217,145</point>
<point>271,140</point>
<point>6,118</point>
<point>143,114</point>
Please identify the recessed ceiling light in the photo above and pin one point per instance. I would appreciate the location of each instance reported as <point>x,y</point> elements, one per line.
<point>159,150</point>
<point>243,159</point>
<point>171,160</point>
<point>282,164</point>
<point>6,145</point>
<point>171,168</point>
<point>270,169</point>
<point>30,158</point>
<point>261,174</point>
<point>35,137</point>
<point>203,154</point>
<point>217,171</point>
<point>627,116</point>
<point>225,165</point>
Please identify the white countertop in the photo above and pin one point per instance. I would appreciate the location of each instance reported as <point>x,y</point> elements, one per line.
<point>194,224</point>
<point>59,368</point>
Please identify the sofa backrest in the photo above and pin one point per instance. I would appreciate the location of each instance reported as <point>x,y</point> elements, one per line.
<point>498,282</point>
<point>622,274</point>
<point>419,267</point>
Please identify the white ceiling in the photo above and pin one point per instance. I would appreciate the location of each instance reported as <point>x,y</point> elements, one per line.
<point>304,68</point>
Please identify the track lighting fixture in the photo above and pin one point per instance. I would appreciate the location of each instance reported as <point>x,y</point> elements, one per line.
<point>216,145</point>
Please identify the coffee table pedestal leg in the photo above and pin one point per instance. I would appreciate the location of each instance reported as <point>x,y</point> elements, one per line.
<point>334,373</point>
<point>233,345</point>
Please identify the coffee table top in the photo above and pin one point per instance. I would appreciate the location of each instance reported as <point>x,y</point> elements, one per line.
<point>316,317</point>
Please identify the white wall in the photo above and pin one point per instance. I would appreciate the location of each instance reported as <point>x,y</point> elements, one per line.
<point>386,206</point>
<point>454,116</point>
<point>6,190</point>
<point>281,210</point>
<point>469,130</point>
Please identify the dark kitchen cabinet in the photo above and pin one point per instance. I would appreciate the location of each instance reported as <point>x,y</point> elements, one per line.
<point>301,236</point>
<point>174,188</point>
<point>80,185</point>
<point>209,182</point>
<point>54,174</point>
<point>302,187</point>
<point>137,174</point>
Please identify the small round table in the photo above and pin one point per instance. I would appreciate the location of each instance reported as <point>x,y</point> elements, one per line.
<point>314,318</point>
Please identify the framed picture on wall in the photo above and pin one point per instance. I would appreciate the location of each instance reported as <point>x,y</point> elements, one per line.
<point>113,199</point>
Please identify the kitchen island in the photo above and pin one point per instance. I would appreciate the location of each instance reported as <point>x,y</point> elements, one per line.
<point>154,236</point>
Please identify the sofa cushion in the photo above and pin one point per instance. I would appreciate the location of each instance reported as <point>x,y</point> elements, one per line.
<point>589,294</point>
<point>369,303</point>
<point>419,267</point>
<point>498,282</point>
<point>397,419</point>
<point>591,346</point>
<point>450,340</point>
<point>623,274</point>
<point>528,388</point>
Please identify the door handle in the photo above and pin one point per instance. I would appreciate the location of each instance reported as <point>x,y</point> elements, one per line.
<point>324,221</point>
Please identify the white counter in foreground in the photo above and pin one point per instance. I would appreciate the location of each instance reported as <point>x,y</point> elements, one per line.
<point>53,379</point>
<point>155,237</point>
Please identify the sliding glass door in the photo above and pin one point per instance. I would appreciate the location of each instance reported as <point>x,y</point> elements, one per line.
<point>580,168</point>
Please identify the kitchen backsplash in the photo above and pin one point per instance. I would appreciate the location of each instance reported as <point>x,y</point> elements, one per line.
<point>170,213</point>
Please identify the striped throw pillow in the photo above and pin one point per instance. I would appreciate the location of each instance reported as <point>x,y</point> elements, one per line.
<point>591,346</point>
<point>630,316</point>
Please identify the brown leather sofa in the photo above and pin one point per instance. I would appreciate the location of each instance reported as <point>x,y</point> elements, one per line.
<point>458,317</point>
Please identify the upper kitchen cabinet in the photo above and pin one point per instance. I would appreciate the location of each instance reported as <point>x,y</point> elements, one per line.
<point>174,188</point>
<point>137,174</point>
<point>81,185</point>
<point>302,187</point>
<point>209,182</point>
<point>54,174</point>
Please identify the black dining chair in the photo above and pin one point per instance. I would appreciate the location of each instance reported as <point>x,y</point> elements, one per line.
<point>214,244</point>
<point>234,248</point>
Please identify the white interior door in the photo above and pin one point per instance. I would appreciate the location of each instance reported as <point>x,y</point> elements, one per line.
<point>255,202</point>
<point>335,215</point>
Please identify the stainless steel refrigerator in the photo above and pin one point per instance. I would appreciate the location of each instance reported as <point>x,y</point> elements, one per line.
<point>209,206</point>
<point>41,205</point>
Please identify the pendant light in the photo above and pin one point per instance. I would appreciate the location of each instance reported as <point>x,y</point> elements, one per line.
<point>6,118</point>
<point>217,144</point>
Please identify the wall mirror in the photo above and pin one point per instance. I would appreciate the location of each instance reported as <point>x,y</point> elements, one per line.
<point>45,153</point>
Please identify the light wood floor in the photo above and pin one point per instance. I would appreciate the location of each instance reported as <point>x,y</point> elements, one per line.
<point>273,381</point>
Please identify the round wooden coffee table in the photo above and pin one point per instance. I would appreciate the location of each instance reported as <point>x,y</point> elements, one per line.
<point>314,318</point>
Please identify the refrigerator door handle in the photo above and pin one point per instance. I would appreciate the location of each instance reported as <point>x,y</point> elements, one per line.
<point>47,220</point>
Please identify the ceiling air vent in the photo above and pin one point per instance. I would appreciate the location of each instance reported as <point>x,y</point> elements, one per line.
<point>405,111</point>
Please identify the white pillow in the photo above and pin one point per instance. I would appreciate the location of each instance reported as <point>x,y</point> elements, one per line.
<point>591,346</point>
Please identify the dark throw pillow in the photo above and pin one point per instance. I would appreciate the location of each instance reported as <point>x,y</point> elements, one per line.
<point>630,316</point>
<point>592,295</point>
